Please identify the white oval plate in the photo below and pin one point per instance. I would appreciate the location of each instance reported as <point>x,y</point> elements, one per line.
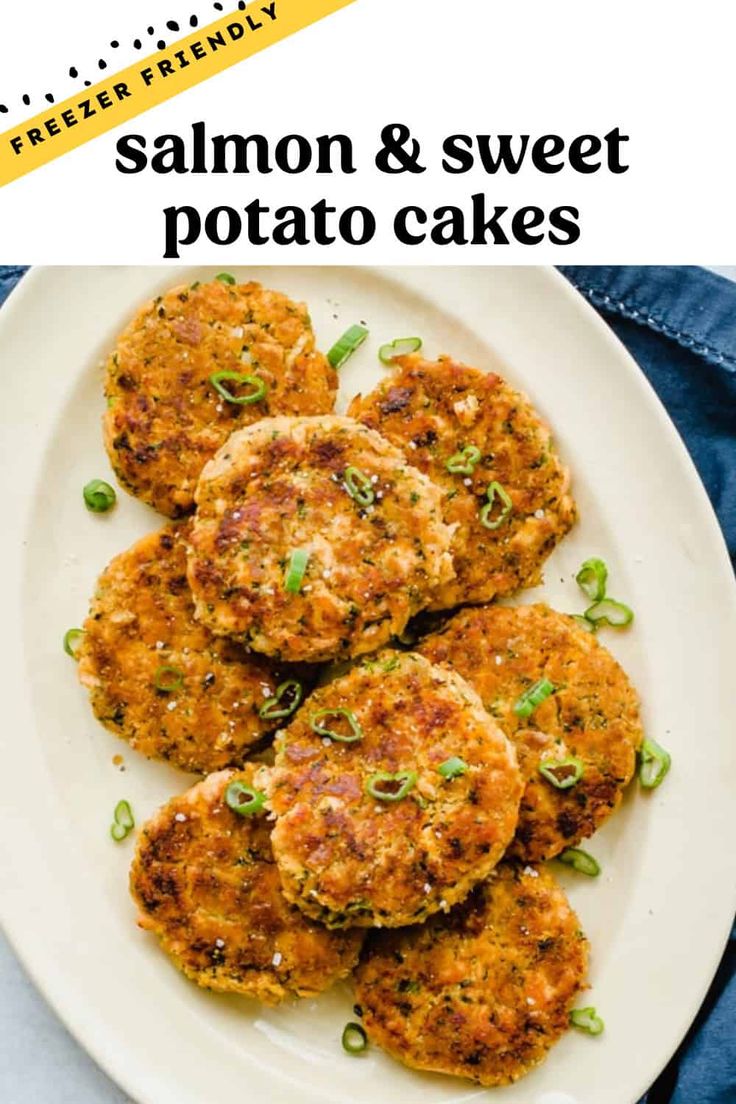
<point>658,915</point>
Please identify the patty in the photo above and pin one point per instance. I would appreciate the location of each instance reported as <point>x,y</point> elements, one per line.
<point>205,883</point>
<point>484,992</point>
<point>160,679</point>
<point>351,849</point>
<point>367,526</point>
<point>165,418</point>
<point>510,477</point>
<point>592,715</point>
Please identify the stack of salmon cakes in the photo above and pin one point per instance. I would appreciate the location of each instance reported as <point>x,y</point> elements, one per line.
<point>364,807</point>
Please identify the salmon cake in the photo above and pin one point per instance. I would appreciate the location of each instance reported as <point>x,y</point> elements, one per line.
<point>158,678</point>
<point>394,792</point>
<point>314,539</point>
<point>195,364</point>
<point>567,705</point>
<point>484,992</point>
<point>505,491</point>
<point>206,885</point>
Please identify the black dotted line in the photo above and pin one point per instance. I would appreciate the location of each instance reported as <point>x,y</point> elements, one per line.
<point>171,24</point>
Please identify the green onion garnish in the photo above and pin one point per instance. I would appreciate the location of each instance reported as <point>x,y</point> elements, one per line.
<point>452,767</point>
<point>608,612</point>
<point>581,861</point>
<point>275,708</point>
<point>400,347</point>
<point>591,578</point>
<point>123,821</point>
<point>344,348</point>
<point>258,385</point>
<point>359,486</point>
<point>244,799</point>
<point>385,786</point>
<point>167,679</point>
<point>495,489</point>
<point>295,572</point>
<point>99,497</point>
<point>225,278</point>
<point>583,622</point>
<point>354,1038</point>
<point>532,697</point>
<point>356,732</point>
<point>654,763</point>
<point>72,641</point>
<point>463,462</point>
<point>588,1020</point>
<point>562,773</point>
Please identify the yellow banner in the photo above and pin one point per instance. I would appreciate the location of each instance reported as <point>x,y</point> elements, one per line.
<point>153,80</point>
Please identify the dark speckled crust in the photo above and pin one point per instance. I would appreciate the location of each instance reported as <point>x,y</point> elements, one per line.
<point>434,409</point>
<point>142,618</point>
<point>594,713</point>
<point>205,883</point>
<point>484,992</point>
<point>165,420</point>
<point>347,858</point>
<point>279,486</point>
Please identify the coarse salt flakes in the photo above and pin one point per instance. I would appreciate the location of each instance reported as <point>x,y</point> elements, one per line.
<point>220,943</point>
<point>468,481</point>
<point>530,1000</point>
<point>539,514</point>
<point>159,644</point>
<point>498,660</point>
<point>181,817</point>
<point>443,904</point>
<point>532,873</point>
<point>427,887</point>
<point>172,705</point>
<point>277,958</point>
<point>327,741</point>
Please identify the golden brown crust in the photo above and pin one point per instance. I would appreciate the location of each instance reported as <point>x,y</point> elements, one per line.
<point>346,857</point>
<point>432,410</point>
<point>279,486</point>
<point>593,714</point>
<point>484,992</point>
<point>165,420</point>
<point>142,619</point>
<point>205,882</point>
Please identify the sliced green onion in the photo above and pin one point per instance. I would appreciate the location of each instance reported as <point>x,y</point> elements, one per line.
<point>562,773</point>
<point>532,697</point>
<point>495,489</point>
<point>354,1038</point>
<point>356,732</point>
<point>295,572</point>
<point>99,497</point>
<point>581,861</point>
<point>72,641</point>
<point>274,708</point>
<point>244,799</point>
<point>463,462</point>
<point>167,679</point>
<point>452,767</point>
<point>345,346</point>
<point>123,822</point>
<point>608,612</point>
<point>359,486</point>
<point>385,786</point>
<point>259,385</point>
<point>654,763</point>
<point>400,347</point>
<point>225,278</point>
<point>592,578</point>
<point>588,1020</point>
<point>583,622</point>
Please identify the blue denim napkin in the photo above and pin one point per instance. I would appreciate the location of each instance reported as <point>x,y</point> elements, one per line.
<point>679,323</point>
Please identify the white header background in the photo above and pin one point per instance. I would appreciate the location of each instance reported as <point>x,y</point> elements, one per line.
<point>661,72</point>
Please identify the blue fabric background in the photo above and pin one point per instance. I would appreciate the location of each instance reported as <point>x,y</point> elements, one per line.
<point>679,323</point>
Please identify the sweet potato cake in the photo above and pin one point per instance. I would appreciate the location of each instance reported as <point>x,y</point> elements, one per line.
<point>314,539</point>
<point>205,883</point>
<point>195,364</point>
<point>504,488</point>
<point>394,792</point>
<point>577,747</point>
<point>160,679</point>
<point>481,993</point>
